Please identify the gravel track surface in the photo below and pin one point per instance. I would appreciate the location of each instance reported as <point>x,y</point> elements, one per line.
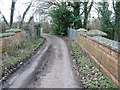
<point>50,67</point>
<point>58,71</point>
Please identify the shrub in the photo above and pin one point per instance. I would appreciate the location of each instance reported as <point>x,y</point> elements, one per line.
<point>62,18</point>
<point>37,28</point>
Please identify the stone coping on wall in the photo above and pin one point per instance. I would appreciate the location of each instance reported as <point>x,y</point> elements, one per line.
<point>96,33</point>
<point>104,41</point>
<point>83,33</point>
<point>91,32</point>
<point>107,42</point>
<point>13,30</point>
<point>82,29</point>
<point>7,34</point>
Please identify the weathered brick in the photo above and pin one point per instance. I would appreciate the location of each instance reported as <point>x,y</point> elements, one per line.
<point>7,41</point>
<point>109,58</point>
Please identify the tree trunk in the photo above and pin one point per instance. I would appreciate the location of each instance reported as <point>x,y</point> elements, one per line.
<point>12,13</point>
<point>87,10</point>
<point>117,21</point>
<point>85,15</point>
<point>76,12</point>
<point>38,33</point>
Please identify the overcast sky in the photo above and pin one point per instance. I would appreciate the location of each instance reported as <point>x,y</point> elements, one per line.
<point>20,8</point>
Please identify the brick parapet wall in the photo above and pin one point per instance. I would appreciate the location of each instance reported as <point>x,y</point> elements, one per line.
<point>10,41</point>
<point>107,57</point>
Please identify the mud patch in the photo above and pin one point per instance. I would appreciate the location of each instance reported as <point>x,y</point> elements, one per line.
<point>44,67</point>
<point>57,70</point>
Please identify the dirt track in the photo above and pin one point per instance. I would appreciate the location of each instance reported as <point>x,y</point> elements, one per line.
<point>58,71</point>
<point>50,67</point>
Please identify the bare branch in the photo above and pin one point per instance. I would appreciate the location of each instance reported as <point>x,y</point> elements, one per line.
<point>24,14</point>
<point>5,20</point>
<point>90,6</point>
<point>113,2</point>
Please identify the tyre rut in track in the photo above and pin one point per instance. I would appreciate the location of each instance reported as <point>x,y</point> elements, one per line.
<point>57,70</point>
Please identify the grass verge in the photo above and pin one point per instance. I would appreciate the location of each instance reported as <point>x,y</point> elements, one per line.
<point>92,76</point>
<point>17,54</point>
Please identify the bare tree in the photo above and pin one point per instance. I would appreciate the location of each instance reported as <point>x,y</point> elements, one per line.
<point>5,20</point>
<point>24,14</point>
